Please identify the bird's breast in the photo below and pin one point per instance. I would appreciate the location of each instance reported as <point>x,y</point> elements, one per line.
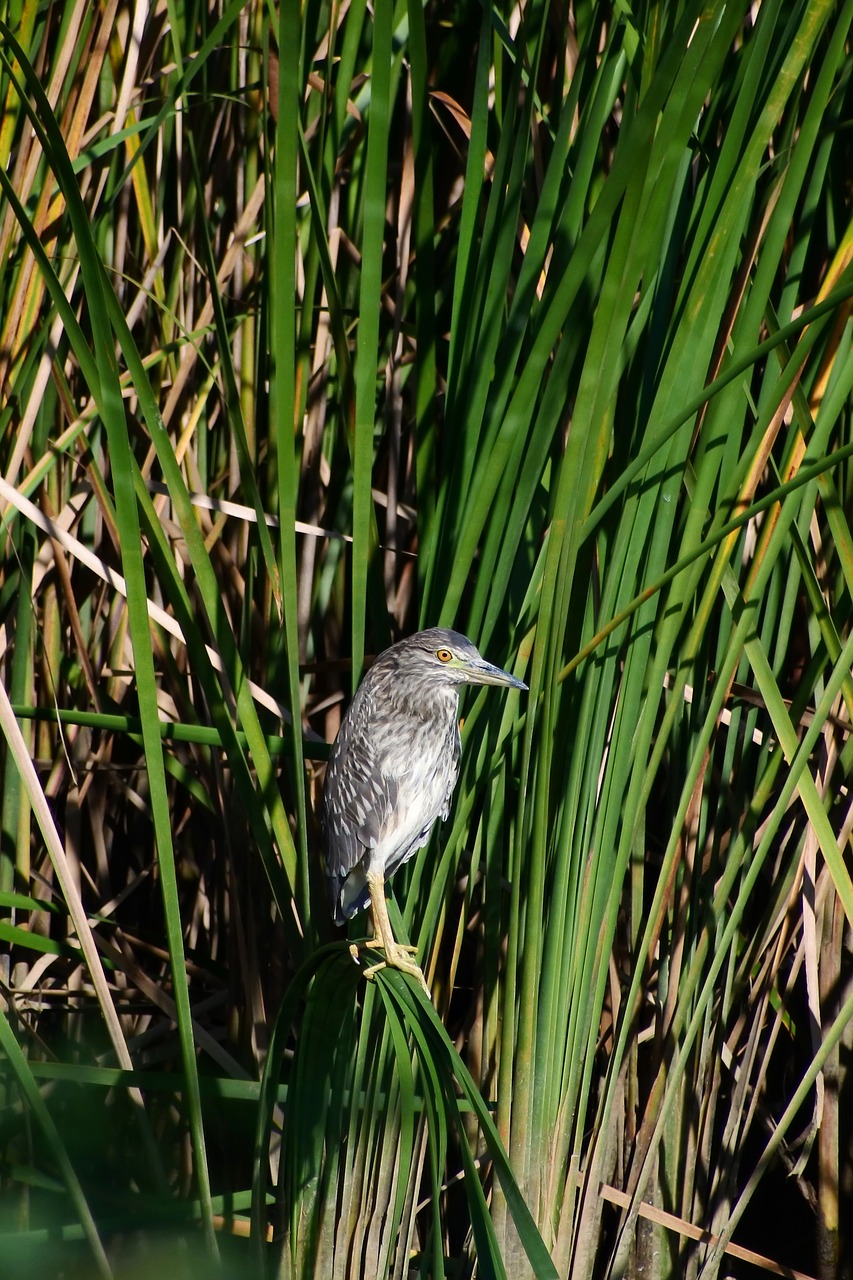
<point>424,765</point>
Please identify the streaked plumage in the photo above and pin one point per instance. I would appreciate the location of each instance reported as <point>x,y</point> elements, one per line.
<point>394,766</point>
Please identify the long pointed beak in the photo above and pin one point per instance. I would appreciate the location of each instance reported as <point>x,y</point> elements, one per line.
<point>483,672</point>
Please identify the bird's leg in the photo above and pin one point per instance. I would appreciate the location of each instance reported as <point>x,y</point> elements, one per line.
<point>397,955</point>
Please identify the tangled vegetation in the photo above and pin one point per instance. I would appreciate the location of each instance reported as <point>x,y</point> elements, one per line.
<point>322,323</point>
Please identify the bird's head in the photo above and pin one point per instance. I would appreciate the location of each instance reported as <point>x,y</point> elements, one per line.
<point>442,657</point>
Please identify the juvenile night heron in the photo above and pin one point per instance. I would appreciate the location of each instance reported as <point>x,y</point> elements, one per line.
<point>392,771</point>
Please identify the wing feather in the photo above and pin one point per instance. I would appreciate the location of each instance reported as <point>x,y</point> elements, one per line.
<point>363,801</point>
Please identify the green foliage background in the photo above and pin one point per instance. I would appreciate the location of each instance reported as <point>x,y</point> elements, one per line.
<point>322,323</point>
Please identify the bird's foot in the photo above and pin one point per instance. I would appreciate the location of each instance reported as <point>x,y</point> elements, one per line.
<point>397,956</point>
<point>376,944</point>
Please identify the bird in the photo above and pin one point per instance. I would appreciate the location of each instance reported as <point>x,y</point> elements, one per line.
<point>391,775</point>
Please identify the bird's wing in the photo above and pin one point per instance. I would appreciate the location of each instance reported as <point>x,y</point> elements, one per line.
<point>359,799</point>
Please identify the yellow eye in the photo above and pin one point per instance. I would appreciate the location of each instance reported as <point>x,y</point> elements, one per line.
<point>443,655</point>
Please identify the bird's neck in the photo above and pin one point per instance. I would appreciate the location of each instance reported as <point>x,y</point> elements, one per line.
<point>441,704</point>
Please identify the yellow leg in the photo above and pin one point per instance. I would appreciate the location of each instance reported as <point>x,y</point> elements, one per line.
<point>397,956</point>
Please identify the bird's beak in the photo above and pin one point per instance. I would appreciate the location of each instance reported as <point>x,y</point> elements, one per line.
<point>483,672</point>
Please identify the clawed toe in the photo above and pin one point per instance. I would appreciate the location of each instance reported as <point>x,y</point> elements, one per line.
<point>376,944</point>
<point>396,957</point>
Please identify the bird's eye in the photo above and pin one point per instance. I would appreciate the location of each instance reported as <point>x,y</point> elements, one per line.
<point>443,655</point>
